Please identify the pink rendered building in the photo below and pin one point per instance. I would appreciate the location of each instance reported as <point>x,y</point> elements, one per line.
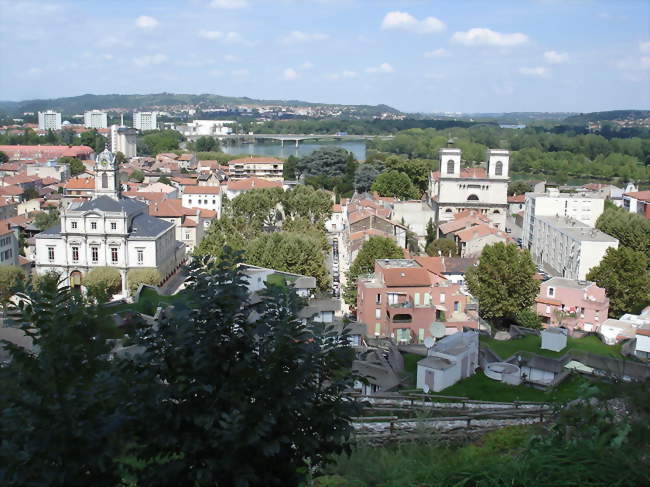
<point>576,305</point>
<point>402,299</point>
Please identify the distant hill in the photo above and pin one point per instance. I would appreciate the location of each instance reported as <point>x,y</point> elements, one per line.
<point>583,118</point>
<point>520,117</point>
<point>78,104</point>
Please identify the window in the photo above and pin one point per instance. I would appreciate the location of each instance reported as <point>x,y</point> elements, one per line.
<point>393,298</point>
<point>378,313</point>
<point>113,226</point>
<point>94,254</point>
<point>75,254</point>
<point>187,236</point>
<point>456,306</point>
<point>442,297</point>
<point>416,299</point>
<point>50,254</point>
<point>105,181</point>
<point>189,201</point>
<point>73,225</point>
<point>140,256</point>
<point>114,255</point>
<point>450,167</point>
<point>93,225</point>
<point>377,329</point>
<point>378,299</point>
<point>548,309</point>
<point>551,292</point>
<point>472,197</point>
<point>498,169</point>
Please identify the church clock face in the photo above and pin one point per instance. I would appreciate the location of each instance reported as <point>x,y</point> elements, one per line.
<point>104,163</point>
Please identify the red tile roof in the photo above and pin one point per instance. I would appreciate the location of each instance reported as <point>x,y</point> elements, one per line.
<point>80,183</point>
<point>11,190</point>
<point>406,277</point>
<point>642,331</point>
<point>45,151</point>
<point>252,183</point>
<point>476,231</point>
<point>639,195</point>
<point>551,301</point>
<point>337,209</point>
<point>466,173</point>
<point>432,264</point>
<point>189,223</point>
<point>520,198</point>
<point>201,190</point>
<point>145,195</point>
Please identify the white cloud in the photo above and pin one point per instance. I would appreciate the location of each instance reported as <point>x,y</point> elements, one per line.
<point>299,37</point>
<point>485,37</point>
<point>438,53</point>
<point>144,61</point>
<point>554,57</point>
<point>345,74</point>
<point>539,71</point>
<point>307,65</point>
<point>146,22</point>
<point>289,74</point>
<point>239,73</point>
<point>644,47</point>
<point>405,21</point>
<point>235,38</point>
<point>229,4</point>
<point>382,68</point>
<point>210,34</point>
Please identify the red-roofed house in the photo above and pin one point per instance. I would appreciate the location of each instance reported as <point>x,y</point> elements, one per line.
<point>402,299</point>
<point>79,188</point>
<point>453,189</point>
<point>637,202</point>
<point>472,240</point>
<point>205,197</point>
<point>336,221</point>
<point>261,167</point>
<point>516,203</point>
<point>191,223</point>
<point>46,152</point>
<point>236,187</point>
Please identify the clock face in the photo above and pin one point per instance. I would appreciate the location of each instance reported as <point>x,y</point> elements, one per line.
<point>104,163</point>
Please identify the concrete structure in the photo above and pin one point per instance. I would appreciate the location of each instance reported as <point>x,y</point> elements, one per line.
<point>210,128</point>
<point>503,372</point>
<point>554,339</point>
<point>145,121</point>
<point>402,299</point>
<point>566,247</point>
<point>107,230</point>
<point>416,216</point>
<point>584,209</point>
<point>516,203</point>
<point>471,241</point>
<point>8,208</point>
<point>451,359</point>
<point>235,188</point>
<point>50,169</point>
<point>96,119</point>
<point>336,222</point>
<point>206,197</point>
<point>49,120</point>
<point>452,268</point>
<point>637,202</point>
<point>642,346</point>
<point>453,190</point>
<point>261,167</point>
<point>124,140</point>
<point>576,305</point>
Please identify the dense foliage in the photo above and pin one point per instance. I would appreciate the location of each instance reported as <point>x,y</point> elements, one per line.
<point>154,142</point>
<point>444,247</point>
<point>46,219</point>
<point>625,275</point>
<point>135,277</point>
<point>103,282</point>
<point>76,166</point>
<point>10,277</point>
<point>396,184</point>
<point>222,391</point>
<point>374,248</point>
<point>503,282</point>
<point>631,230</point>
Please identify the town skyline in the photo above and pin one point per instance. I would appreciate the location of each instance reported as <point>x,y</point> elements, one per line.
<point>414,56</point>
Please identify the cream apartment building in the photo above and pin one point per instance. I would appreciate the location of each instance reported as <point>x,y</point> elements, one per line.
<point>261,167</point>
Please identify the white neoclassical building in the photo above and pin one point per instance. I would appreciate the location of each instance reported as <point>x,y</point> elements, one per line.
<point>453,189</point>
<point>107,230</point>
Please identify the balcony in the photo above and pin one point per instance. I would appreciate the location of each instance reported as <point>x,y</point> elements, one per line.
<point>402,318</point>
<point>405,304</point>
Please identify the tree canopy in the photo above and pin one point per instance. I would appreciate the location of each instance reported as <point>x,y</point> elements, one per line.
<point>374,248</point>
<point>76,166</point>
<point>396,184</point>
<point>630,229</point>
<point>326,161</point>
<point>624,274</point>
<point>445,247</point>
<point>46,219</point>
<point>364,177</point>
<point>154,142</point>
<point>503,282</point>
<point>308,203</point>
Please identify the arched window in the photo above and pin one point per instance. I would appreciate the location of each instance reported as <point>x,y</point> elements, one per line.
<point>105,181</point>
<point>472,197</point>
<point>498,169</point>
<point>448,210</point>
<point>450,167</point>
<point>496,212</point>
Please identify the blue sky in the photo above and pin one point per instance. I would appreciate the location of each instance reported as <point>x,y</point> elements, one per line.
<point>426,56</point>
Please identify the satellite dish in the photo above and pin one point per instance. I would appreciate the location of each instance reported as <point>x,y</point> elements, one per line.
<point>437,330</point>
<point>428,342</point>
<point>426,388</point>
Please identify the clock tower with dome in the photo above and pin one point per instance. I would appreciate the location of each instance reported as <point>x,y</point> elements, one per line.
<point>107,175</point>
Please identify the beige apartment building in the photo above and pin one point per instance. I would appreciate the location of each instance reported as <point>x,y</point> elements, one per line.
<point>261,167</point>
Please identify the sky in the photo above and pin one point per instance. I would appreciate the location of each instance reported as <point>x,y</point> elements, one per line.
<point>417,56</point>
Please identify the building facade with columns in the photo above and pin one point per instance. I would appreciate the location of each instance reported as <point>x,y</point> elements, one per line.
<point>108,230</point>
<point>453,189</point>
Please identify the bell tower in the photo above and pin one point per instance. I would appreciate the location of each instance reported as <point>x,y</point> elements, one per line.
<point>107,176</point>
<point>449,161</point>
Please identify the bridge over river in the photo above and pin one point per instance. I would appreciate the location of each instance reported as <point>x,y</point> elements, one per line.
<point>297,138</point>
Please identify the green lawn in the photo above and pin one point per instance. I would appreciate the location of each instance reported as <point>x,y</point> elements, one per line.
<point>531,343</point>
<point>148,302</point>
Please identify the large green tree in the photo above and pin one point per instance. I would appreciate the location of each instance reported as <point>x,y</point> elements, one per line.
<point>3,157</point>
<point>630,229</point>
<point>76,166</point>
<point>326,161</point>
<point>374,248</point>
<point>243,394</point>
<point>503,282</point>
<point>62,409</point>
<point>395,183</point>
<point>93,139</point>
<point>206,144</point>
<point>156,141</point>
<point>224,232</point>
<point>10,277</point>
<point>519,187</point>
<point>445,247</point>
<point>624,274</point>
<point>364,177</point>
<point>258,206</point>
<point>308,203</point>
<point>46,219</point>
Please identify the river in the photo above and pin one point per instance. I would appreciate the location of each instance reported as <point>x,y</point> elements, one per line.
<point>357,147</point>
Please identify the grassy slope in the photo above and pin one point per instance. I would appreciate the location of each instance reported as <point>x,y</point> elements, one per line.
<point>531,343</point>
